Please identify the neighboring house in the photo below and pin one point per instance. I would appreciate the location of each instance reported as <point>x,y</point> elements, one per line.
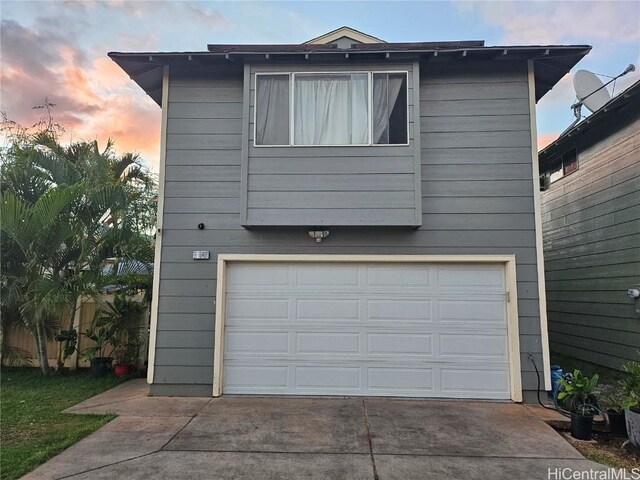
<point>419,162</point>
<point>591,229</point>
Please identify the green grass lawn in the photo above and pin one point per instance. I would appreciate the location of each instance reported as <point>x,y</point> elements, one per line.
<point>32,427</point>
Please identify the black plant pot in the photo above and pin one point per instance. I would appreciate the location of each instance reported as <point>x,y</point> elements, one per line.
<point>617,423</point>
<point>99,366</point>
<point>581,426</point>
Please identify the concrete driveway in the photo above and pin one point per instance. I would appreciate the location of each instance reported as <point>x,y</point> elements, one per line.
<point>319,438</point>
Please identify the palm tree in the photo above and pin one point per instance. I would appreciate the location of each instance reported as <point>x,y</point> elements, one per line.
<point>64,211</point>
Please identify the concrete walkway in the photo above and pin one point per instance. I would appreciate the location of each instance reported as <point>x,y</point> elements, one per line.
<point>319,438</point>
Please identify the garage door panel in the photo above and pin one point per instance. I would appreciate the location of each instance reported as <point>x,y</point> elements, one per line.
<point>400,344</point>
<point>328,343</point>
<point>469,382</point>
<point>261,275</point>
<point>251,378</point>
<point>252,342</point>
<point>389,380</point>
<point>469,345</point>
<point>475,312</point>
<point>330,275</point>
<point>318,309</point>
<point>399,310</point>
<point>416,330</point>
<point>334,378</point>
<point>482,277</point>
<point>239,309</point>
<point>399,275</point>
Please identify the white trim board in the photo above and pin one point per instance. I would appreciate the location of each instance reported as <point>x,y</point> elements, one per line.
<point>153,329</point>
<point>508,261</point>
<point>542,295</point>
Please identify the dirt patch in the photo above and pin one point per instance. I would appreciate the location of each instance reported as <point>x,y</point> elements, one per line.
<point>608,450</point>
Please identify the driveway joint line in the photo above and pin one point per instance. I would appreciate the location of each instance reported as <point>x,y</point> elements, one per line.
<point>108,403</point>
<point>184,426</point>
<point>137,456</point>
<point>292,452</point>
<point>457,455</point>
<point>107,465</point>
<point>366,422</point>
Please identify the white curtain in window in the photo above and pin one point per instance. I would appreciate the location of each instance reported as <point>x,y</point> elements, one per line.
<point>272,110</point>
<point>386,88</point>
<point>331,109</point>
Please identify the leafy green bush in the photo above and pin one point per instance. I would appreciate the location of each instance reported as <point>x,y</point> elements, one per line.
<point>579,391</point>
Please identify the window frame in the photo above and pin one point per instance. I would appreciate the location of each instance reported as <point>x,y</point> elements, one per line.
<point>561,162</point>
<point>292,74</point>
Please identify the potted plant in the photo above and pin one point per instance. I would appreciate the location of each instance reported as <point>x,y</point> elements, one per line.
<point>121,320</point>
<point>131,355</point>
<point>614,404</point>
<point>577,393</point>
<point>630,387</point>
<point>100,360</point>
<point>68,345</point>
<point>121,367</point>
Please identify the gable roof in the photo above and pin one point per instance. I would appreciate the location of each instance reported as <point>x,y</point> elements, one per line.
<point>606,115</point>
<point>344,31</point>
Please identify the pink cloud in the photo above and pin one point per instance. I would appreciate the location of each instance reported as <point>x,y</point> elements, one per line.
<point>93,99</point>
<point>545,139</point>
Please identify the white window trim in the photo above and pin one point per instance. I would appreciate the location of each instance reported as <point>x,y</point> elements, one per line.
<point>292,75</point>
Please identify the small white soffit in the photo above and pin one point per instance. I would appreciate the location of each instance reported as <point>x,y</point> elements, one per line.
<point>348,32</point>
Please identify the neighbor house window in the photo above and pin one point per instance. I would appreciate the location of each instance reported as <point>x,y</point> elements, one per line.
<point>347,108</point>
<point>566,164</point>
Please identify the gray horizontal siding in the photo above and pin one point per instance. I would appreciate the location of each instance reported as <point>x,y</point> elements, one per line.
<point>335,199</point>
<point>591,225</point>
<point>211,189</point>
<point>487,172</point>
<point>476,123</point>
<point>385,238</point>
<point>475,199</point>
<point>388,165</point>
<point>484,156</point>
<point>495,188</point>
<point>331,183</point>
<point>474,90</point>
<point>191,110</point>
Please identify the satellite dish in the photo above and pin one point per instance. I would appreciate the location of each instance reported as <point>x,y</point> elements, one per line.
<point>591,92</point>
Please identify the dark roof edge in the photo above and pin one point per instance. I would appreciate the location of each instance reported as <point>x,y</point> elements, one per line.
<point>594,119</point>
<point>384,47</point>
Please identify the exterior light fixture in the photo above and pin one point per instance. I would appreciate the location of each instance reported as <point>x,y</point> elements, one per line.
<point>319,235</point>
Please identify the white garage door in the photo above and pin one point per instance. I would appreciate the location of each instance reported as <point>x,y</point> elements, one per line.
<point>414,330</point>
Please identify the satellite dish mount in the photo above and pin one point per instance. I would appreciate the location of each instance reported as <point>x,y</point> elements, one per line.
<point>591,92</point>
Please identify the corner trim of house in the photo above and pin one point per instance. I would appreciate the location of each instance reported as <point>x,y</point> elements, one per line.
<point>509,261</point>
<point>542,295</point>
<point>158,247</point>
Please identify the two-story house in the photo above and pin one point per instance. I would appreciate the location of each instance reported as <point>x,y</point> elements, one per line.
<point>349,217</point>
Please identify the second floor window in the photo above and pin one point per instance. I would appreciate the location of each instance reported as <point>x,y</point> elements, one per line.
<point>306,109</point>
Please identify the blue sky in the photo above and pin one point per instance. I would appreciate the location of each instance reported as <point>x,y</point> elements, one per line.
<point>58,49</point>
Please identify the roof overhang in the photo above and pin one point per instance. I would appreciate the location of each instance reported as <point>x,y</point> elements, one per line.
<point>552,62</point>
<point>628,99</point>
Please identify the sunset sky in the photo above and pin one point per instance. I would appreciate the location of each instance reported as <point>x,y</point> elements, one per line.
<point>58,49</point>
